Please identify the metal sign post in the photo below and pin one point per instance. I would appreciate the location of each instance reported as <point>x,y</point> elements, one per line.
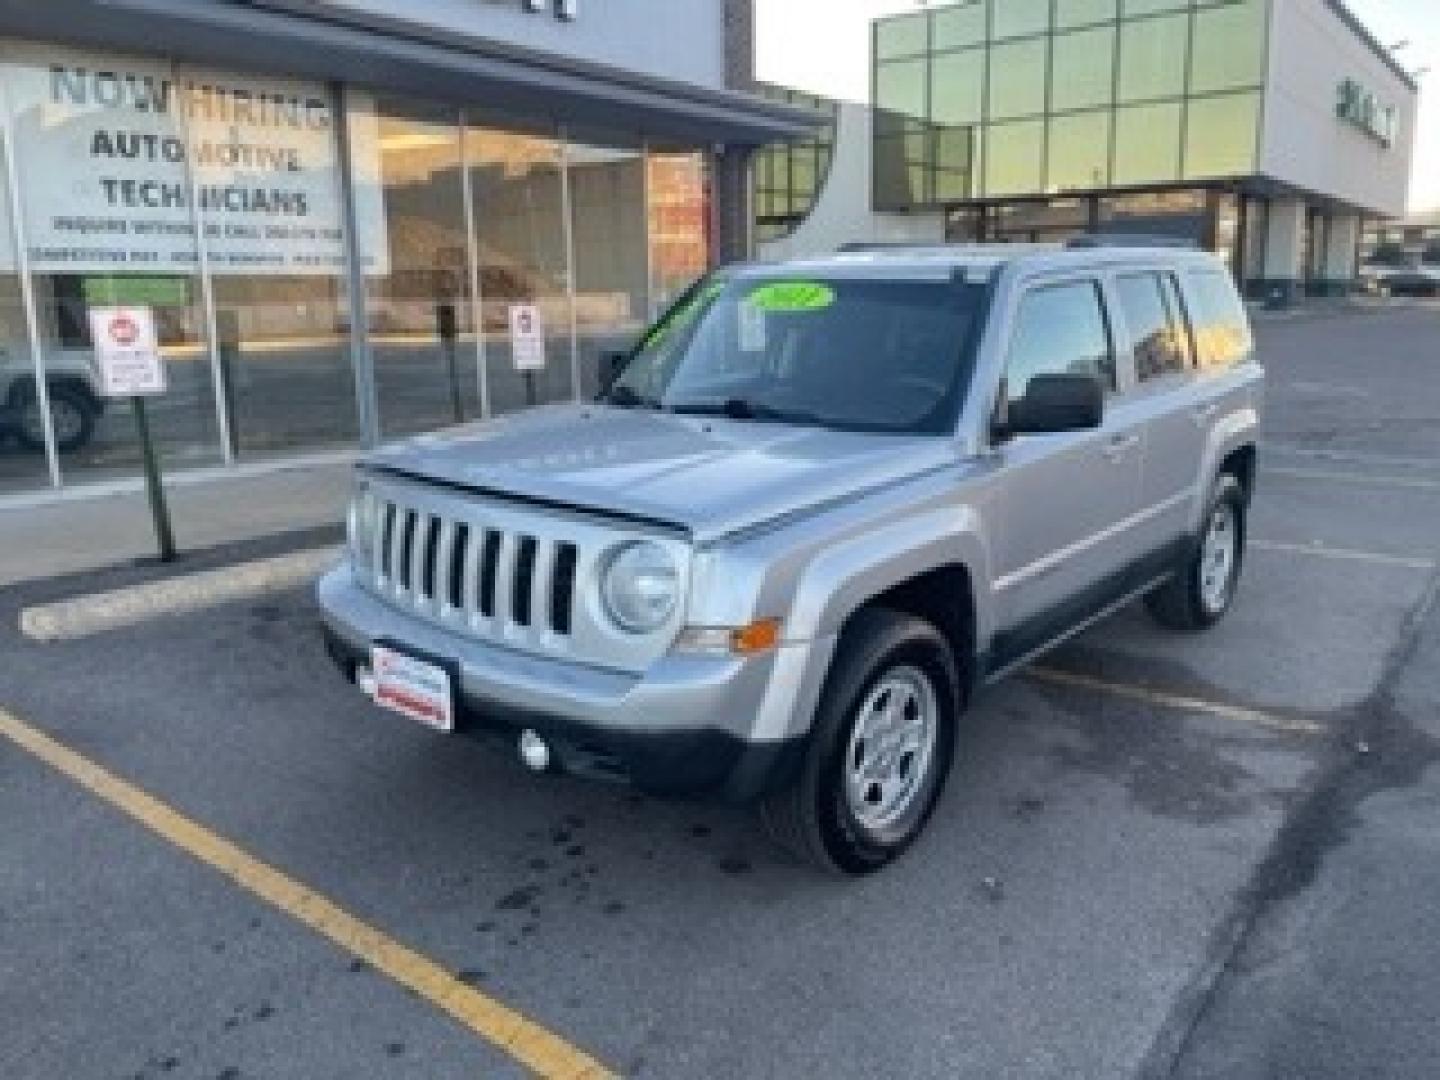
<point>128,356</point>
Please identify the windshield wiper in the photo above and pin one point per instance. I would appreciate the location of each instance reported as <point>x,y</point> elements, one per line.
<point>737,408</point>
<point>622,397</point>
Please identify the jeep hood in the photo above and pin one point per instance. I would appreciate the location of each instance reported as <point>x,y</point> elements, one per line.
<point>708,475</point>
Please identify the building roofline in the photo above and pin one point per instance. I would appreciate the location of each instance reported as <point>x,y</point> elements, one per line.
<point>1361,31</point>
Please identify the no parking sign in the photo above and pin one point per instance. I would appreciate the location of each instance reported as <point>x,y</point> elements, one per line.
<point>126,351</point>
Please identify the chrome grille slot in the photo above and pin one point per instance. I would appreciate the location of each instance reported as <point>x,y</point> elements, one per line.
<point>405,556</point>
<point>562,589</point>
<point>429,556</point>
<point>455,593</point>
<point>489,569</point>
<point>521,598</point>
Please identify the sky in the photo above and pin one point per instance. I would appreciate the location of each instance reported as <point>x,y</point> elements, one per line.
<point>822,46</point>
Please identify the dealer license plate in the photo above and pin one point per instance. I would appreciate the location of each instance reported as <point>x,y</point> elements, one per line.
<point>413,688</point>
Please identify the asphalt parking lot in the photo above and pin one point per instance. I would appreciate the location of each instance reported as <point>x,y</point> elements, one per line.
<point>1122,880</point>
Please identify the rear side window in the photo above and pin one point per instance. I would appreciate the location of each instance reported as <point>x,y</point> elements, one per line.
<point>1060,329</point>
<point>1222,330</point>
<point>1157,329</point>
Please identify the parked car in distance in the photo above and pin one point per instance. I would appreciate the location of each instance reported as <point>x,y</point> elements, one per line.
<point>823,502</point>
<point>73,390</point>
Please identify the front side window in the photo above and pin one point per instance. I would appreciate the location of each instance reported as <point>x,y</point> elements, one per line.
<point>1060,330</point>
<point>860,354</point>
<point>1157,331</point>
<point>1222,329</point>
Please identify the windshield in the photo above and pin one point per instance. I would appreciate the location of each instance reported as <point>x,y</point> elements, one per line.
<point>867,354</point>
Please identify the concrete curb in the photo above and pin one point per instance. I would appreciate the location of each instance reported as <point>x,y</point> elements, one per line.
<point>99,612</point>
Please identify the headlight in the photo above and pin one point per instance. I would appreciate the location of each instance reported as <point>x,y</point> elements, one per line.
<point>640,587</point>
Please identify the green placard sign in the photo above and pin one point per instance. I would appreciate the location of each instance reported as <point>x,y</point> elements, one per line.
<point>790,296</point>
<point>137,291</point>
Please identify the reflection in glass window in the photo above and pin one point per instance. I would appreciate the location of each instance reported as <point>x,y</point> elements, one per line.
<point>1147,144</point>
<point>957,87</point>
<point>1017,78</point>
<point>1079,153</point>
<point>903,35</point>
<point>1014,18</point>
<point>1013,153</point>
<point>1222,330</point>
<point>958,26</point>
<point>1070,13</point>
<point>1220,136</point>
<point>1157,332</point>
<point>420,310</point>
<point>898,162</point>
<point>1152,58</point>
<point>788,176</point>
<point>900,87</point>
<point>22,461</point>
<point>608,228</point>
<point>1084,69</point>
<point>1228,51</point>
<point>679,224</point>
<point>515,179</point>
<point>1059,330</point>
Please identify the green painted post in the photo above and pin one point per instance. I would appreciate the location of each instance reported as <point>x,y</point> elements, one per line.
<point>164,536</point>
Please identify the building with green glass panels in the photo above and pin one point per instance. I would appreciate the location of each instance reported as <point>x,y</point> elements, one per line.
<point>1268,130</point>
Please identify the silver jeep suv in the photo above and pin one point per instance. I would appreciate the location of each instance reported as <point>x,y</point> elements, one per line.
<point>821,504</point>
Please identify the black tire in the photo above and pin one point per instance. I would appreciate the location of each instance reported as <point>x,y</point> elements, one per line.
<point>71,408</point>
<point>1183,603</point>
<point>812,818</point>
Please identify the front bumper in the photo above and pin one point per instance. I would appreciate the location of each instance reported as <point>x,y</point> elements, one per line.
<point>726,726</point>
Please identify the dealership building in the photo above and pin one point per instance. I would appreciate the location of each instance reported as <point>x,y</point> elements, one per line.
<point>1271,131</point>
<point>329,212</point>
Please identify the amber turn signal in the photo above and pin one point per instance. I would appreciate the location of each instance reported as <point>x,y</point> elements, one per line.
<point>760,636</point>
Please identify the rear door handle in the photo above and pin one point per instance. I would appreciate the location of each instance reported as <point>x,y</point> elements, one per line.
<point>1118,447</point>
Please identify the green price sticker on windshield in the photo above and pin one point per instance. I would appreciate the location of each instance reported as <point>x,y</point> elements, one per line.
<point>792,296</point>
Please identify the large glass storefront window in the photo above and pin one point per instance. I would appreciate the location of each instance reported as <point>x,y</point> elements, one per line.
<point>215,203</point>
<point>418,304</point>
<point>611,250</point>
<point>518,184</point>
<point>105,200</point>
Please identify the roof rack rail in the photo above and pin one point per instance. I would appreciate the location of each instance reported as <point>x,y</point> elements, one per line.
<point>1129,240</point>
<point>857,247</point>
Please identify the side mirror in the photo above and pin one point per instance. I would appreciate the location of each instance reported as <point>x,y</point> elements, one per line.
<point>1053,404</point>
<point>612,364</point>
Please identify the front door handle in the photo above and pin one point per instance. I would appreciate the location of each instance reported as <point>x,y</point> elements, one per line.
<point>1118,447</point>
<point>1205,413</point>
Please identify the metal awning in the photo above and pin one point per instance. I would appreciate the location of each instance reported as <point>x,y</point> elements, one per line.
<point>308,39</point>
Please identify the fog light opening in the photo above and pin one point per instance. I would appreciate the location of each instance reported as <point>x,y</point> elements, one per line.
<point>534,751</point>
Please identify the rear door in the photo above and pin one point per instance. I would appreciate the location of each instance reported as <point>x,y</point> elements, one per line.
<point>1160,346</point>
<point>1065,499</point>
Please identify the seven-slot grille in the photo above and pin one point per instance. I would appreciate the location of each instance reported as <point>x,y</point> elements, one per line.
<point>496,582</point>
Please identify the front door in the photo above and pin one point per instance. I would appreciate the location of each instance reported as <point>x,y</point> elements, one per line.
<point>1066,500</point>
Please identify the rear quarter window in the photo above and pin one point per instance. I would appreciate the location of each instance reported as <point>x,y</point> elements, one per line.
<point>1218,319</point>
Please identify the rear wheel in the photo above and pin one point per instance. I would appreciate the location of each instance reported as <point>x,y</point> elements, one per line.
<point>880,749</point>
<point>1203,588</point>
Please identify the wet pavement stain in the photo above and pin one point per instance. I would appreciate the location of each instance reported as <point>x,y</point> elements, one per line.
<point>518,900</point>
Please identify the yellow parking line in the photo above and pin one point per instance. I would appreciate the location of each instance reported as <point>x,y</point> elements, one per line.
<point>541,1052</point>
<point>1144,694</point>
<point>1418,482</point>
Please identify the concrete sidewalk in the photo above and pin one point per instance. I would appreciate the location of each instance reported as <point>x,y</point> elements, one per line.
<point>58,533</point>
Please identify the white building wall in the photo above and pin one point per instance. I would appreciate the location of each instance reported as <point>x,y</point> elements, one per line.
<point>843,213</point>
<point>1303,142</point>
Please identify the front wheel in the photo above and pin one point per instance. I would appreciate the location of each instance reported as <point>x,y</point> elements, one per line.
<point>880,748</point>
<point>72,416</point>
<point>1203,588</point>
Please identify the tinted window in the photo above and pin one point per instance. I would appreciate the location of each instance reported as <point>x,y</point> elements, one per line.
<point>1060,330</point>
<point>1156,329</point>
<point>1222,329</point>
